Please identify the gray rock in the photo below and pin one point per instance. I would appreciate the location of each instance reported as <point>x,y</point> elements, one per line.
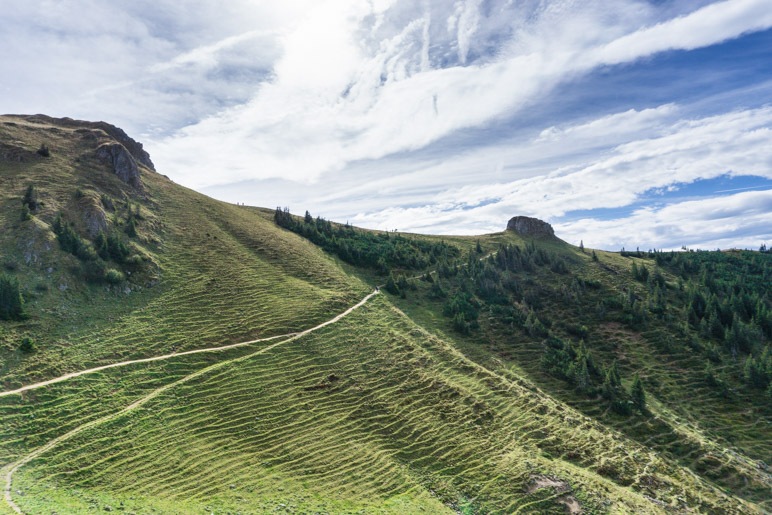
<point>532,227</point>
<point>123,163</point>
<point>95,219</point>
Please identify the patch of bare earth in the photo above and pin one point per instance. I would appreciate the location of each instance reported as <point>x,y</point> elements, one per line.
<point>569,501</point>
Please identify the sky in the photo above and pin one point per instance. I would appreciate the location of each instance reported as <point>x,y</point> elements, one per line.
<point>626,123</point>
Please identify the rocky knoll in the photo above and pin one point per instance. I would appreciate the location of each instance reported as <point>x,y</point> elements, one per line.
<point>112,145</point>
<point>531,227</point>
<point>134,147</point>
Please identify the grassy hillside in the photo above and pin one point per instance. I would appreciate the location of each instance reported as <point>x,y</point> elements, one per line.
<point>461,392</point>
<point>212,273</point>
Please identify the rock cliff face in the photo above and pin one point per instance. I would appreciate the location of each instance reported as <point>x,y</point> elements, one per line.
<point>531,227</point>
<point>123,163</point>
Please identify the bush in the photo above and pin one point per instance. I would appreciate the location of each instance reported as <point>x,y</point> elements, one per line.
<point>44,150</point>
<point>114,276</point>
<point>27,346</point>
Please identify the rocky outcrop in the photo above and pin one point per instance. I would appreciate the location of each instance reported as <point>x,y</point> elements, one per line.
<point>9,152</point>
<point>94,216</point>
<point>530,227</point>
<point>133,147</point>
<point>123,163</point>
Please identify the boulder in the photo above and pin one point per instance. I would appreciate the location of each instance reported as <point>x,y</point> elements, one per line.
<point>530,227</point>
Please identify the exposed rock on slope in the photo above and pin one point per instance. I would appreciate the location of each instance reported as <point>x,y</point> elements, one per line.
<point>533,227</point>
<point>124,165</point>
<point>9,152</point>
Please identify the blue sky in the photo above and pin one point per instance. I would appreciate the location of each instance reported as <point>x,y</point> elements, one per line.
<point>623,123</point>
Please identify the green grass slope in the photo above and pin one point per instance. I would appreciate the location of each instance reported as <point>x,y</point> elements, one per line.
<point>214,272</point>
<point>368,414</point>
<point>403,405</point>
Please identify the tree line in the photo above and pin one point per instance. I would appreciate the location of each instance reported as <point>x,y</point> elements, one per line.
<point>379,251</point>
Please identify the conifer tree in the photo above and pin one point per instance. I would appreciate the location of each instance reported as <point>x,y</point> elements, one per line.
<point>637,394</point>
<point>31,198</point>
<point>391,285</point>
<point>11,301</point>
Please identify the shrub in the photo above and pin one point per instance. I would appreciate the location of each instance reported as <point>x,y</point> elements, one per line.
<point>113,276</point>
<point>27,346</point>
<point>44,150</point>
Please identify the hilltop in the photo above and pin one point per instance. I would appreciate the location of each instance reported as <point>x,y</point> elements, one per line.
<point>509,372</point>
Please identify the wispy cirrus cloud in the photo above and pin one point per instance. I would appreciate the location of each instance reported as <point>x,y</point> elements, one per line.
<point>336,100</point>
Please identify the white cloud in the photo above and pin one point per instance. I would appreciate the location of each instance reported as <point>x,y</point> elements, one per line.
<point>709,25</point>
<point>405,112</point>
<point>742,220</point>
<point>734,143</point>
<point>339,95</point>
<point>145,65</point>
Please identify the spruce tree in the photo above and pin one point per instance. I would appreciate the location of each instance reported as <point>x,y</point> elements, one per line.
<point>31,198</point>
<point>637,394</point>
<point>11,302</point>
<point>391,285</point>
